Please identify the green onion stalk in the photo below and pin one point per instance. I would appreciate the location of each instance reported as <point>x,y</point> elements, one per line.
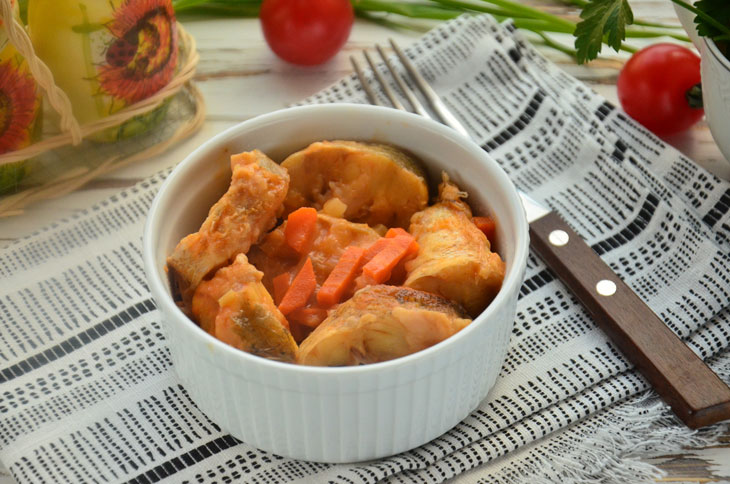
<point>412,15</point>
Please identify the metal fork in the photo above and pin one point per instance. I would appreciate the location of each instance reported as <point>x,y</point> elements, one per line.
<point>438,106</point>
<point>678,375</point>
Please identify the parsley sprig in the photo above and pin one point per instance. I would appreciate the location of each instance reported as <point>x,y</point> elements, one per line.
<point>713,18</point>
<point>603,20</point>
<point>606,21</point>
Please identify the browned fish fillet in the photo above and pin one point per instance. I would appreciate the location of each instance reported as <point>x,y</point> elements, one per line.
<point>379,184</point>
<point>234,277</point>
<point>237,309</point>
<point>381,323</point>
<point>454,260</point>
<point>247,210</point>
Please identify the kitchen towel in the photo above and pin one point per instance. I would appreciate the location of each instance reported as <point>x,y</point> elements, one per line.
<point>88,393</point>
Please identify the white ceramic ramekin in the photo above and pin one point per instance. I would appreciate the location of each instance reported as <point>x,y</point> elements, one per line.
<point>687,19</point>
<point>715,81</point>
<point>716,93</point>
<point>337,414</point>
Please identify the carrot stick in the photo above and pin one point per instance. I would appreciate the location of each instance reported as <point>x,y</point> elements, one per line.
<point>381,266</point>
<point>300,227</point>
<point>486,225</point>
<point>396,231</point>
<point>374,248</point>
<point>281,285</point>
<point>300,290</point>
<point>341,276</point>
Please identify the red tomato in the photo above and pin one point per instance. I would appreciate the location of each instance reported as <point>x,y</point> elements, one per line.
<point>653,85</point>
<point>306,32</point>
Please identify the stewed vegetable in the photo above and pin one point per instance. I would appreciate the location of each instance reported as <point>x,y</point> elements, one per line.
<point>339,281</point>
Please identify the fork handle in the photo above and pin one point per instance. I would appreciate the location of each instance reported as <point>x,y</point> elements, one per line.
<point>693,391</point>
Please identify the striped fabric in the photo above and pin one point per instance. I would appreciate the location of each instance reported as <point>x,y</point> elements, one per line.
<point>87,391</point>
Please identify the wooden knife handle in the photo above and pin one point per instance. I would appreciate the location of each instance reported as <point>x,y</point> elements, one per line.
<point>693,391</point>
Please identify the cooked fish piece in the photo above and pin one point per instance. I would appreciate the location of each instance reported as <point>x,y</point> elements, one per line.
<point>454,259</point>
<point>333,235</point>
<point>237,309</point>
<point>247,210</point>
<point>381,323</point>
<point>234,277</point>
<point>378,183</point>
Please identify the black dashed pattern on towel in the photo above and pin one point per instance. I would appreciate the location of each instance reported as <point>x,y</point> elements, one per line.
<point>87,390</point>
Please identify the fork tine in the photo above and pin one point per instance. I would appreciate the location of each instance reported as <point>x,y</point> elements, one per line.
<point>415,103</point>
<point>433,99</point>
<point>386,88</point>
<point>364,83</point>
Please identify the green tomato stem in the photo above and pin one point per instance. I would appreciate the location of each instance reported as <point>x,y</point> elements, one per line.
<point>694,96</point>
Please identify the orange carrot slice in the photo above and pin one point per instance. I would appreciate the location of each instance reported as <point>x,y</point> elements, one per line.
<point>396,231</point>
<point>341,276</point>
<point>300,227</point>
<point>300,290</point>
<point>374,248</point>
<point>281,285</point>
<point>486,225</point>
<point>380,267</point>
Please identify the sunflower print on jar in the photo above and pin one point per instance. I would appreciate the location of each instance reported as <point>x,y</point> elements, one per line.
<point>141,58</point>
<point>107,55</point>
<point>20,108</point>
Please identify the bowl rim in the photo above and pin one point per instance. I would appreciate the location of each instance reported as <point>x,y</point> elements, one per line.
<point>714,51</point>
<point>510,284</point>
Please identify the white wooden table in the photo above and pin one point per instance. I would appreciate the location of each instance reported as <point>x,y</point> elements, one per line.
<point>240,78</point>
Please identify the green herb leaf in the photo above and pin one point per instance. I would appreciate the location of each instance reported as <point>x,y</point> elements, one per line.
<point>601,19</point>
<point>718,10</point>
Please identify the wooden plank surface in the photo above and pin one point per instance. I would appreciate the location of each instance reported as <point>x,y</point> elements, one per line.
<point>240,78</point>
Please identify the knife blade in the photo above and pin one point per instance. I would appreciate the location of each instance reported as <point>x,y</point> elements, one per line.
<point>693,391</point>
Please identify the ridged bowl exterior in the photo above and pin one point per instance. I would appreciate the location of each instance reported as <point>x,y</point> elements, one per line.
<point>687,19</point>
<point>715,69</point>
<point>337,414</point>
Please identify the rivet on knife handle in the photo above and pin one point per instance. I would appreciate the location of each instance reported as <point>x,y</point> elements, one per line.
<point>693,391</point>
